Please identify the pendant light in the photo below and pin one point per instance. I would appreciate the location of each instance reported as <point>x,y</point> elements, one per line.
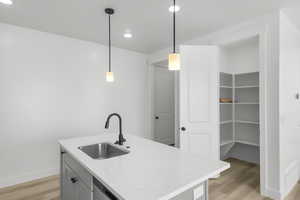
<point>174,58</point>
<point>109,74</point>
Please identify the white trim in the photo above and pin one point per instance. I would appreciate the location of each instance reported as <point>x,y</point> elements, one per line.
<point>291,177</point>
<point>30,176</point>
<point>274,194</point>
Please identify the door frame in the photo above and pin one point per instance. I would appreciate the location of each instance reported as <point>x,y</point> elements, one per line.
<point>263,76</point>
<point>150,101</point>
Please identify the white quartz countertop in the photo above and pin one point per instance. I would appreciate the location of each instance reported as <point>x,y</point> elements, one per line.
<point>151,171</point>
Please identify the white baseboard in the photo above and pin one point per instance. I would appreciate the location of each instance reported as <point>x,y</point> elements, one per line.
<point>22,178</point>
<point>273,194</point>
<point>291,177</point>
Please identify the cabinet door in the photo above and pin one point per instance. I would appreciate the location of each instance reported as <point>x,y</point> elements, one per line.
<point>68,187</point>
<point>83,193</point>
<point>73,188</point>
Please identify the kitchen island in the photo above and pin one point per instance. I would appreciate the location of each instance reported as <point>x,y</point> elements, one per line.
<point>146,171</point>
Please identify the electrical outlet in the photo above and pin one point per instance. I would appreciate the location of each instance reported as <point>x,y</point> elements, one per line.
<point>198,192</point>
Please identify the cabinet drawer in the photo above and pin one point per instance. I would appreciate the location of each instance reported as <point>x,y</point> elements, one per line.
<point>79,170</point>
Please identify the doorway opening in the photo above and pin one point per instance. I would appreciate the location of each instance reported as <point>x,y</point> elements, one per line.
<point>239,101</point>
<point>240,106</point>
<point>163,104</point>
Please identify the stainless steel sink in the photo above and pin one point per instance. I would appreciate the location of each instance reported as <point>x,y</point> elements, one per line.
<point>103,151</point>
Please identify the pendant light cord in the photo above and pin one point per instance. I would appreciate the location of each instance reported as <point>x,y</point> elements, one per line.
<point>174,28</point>
<point>109,44</point>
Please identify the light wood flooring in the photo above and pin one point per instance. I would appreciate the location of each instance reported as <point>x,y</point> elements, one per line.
<point>42,189</point>
<point>240,182</point>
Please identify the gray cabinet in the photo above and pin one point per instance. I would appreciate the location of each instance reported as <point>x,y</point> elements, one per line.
<point>78,184</point>
<point>73,186</point>
<point>83,193</point>
<point>68,187</point>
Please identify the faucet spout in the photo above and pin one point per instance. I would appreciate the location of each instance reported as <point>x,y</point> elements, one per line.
<point>121,137</point>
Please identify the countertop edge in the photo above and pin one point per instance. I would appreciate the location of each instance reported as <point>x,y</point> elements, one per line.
<point>194,183</point>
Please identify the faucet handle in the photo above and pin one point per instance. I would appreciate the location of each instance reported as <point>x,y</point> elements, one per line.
<point>120,141</point>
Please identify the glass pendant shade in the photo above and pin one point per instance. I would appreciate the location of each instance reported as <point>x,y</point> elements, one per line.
<point>110,77</point>
<point>174,61</point>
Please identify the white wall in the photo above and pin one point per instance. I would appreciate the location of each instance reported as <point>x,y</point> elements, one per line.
<point>242,57</point>
<point>289,105</point>
<point>53,87</point>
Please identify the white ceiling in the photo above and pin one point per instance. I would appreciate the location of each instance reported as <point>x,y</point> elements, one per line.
<point>149,20</point>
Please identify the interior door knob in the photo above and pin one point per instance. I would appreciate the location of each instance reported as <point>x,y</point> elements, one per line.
<point>183,128</point>
<point>156,117</point>
<point>73,179</point>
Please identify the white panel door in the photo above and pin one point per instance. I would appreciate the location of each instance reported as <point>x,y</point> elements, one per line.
<point>199,110</point>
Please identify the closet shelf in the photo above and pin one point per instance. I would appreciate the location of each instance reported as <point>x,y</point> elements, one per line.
<point>247,103</point>
<point>226,142</point>
<point>226,122</point>
<point>238,141</point>
<point>246,86</point>
<point>239,123</point>
<point>245,73</point>
<point>246,122</point>
<point>247,143</point>
<point>225,86</point>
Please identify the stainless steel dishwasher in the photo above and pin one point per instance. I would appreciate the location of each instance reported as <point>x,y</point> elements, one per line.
<point>101,192</point>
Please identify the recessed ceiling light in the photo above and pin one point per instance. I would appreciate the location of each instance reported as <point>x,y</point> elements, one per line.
<point>6,2</point>
<point>127,35</point>
<point>172,8</point>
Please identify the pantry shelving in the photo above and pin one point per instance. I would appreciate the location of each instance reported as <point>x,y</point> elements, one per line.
<point>239,119</point>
